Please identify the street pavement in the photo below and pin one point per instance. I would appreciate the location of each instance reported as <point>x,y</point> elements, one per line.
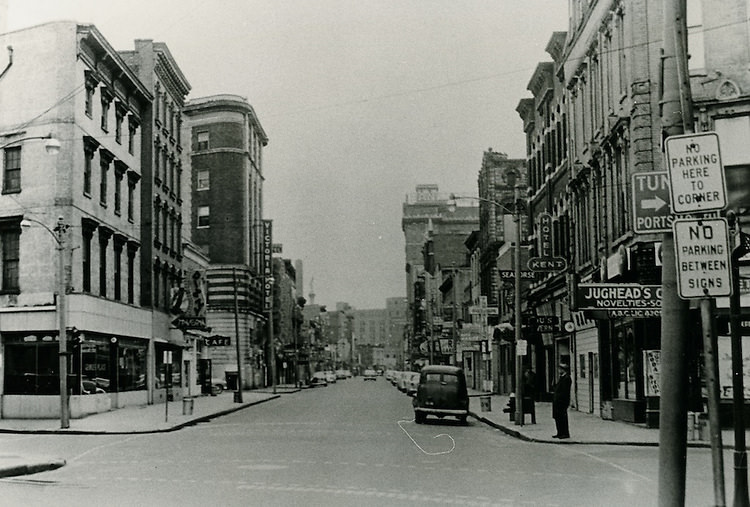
<point>585,428</point>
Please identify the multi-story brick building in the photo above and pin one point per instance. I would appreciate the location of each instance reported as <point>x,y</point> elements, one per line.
<point>594,121</point>
<point>226,209</point>
<point>85,96</point>
<point>162,160</point>
<point>425,213</point>
<point>545,121</point>
<point>396,323</point>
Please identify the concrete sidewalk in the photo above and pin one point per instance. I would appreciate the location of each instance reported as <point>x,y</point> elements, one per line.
<point>584,428</point>
<point>129,420</point>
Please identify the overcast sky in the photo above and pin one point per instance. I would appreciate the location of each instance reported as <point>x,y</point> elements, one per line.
<point>361,100</point>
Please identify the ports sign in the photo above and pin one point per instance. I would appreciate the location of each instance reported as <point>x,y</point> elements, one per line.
<point>651,209</point>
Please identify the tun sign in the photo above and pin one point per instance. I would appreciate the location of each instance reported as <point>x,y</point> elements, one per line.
<point>651,207</point>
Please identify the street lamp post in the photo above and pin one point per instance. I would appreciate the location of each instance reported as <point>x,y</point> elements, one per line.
<point>59,233</point>
<point>517,305</point>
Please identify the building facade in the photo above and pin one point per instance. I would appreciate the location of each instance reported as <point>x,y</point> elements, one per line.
<point>162,160</point>
<point>226,213</point>
<point>593,122</point>
<point>86,97</point>
<point>427,212</point>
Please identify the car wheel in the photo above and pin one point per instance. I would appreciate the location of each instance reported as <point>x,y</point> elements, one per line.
<point>419,417</point>
<point>462,419</point>
<point>216,389</point>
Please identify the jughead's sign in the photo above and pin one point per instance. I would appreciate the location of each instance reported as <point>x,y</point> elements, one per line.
<point>618,296</point>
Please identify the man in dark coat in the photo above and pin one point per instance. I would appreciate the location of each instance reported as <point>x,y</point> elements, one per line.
<point>561,401</point>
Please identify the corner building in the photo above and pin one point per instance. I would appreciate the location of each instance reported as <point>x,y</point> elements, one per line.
<point>226,195</point>
<point>85,96</point>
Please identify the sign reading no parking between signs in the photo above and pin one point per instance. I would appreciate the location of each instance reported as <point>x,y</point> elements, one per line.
<point>701,248</point>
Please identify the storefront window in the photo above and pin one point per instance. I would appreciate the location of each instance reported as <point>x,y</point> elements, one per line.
<point>31,365</point>
<point>132,367</point>
<point>625,364</point>
<point>162,368</point>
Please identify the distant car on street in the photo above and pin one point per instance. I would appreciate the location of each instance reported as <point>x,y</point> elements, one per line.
<point>318,379</point>
<point>330,376</point>
<point>412,383</point>
<point>340,374</point>
<point>370,375</point>
<point>402,381</point>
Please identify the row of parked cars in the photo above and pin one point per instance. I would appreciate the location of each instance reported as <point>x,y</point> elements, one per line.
<point>437,390</point>
<point>323,378</point>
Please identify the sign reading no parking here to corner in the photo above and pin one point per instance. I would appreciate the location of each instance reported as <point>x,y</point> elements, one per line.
<point>696,175</point>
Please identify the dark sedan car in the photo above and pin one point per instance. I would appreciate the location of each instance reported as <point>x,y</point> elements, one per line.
<point>441,392</point>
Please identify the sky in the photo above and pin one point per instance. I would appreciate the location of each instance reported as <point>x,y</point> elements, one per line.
<point>362,100</point>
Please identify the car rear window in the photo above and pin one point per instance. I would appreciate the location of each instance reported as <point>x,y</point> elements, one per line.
<point>448,378</point>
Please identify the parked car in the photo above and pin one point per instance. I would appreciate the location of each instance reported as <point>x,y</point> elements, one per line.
<point>90,387</point>
<point>340,374</point>
<point>370,375</point>
<point>218,385</point>
<point>441,392</point>
<point>403,378</point>
<point>348,373</point>
<point>412,383</point>
<point>319,379</point>
<point>330,376</point>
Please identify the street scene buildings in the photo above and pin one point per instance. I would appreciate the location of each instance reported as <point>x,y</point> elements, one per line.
<point>138,265</point>
<point>593,128</point>
<point>598,265</point>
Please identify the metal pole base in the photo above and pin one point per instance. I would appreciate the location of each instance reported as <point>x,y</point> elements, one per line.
<point>740,479</point>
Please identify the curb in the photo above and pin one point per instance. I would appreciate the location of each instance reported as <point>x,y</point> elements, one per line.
<point>517,434</point>
<point>176,427</point>
<point>13,471</point>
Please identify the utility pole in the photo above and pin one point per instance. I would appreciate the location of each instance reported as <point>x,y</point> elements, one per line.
<point>517,305</point>
<point>676,118</point>
<point>61,230</point>
<point>738,249</point>
<point>454,357</point>
<point>238,393</point>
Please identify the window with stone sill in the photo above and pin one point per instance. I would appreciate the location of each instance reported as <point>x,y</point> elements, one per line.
<point>203,141</point>
<point>10,235</point>
<point>105,114</point>
<point>12,170</point>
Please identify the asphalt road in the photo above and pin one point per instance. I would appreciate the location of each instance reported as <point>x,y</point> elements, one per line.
<point>353,443</point>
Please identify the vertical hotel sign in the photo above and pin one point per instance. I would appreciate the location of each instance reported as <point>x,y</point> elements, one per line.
<point>267,265</point>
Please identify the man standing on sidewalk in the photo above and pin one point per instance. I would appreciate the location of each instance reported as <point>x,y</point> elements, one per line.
<point>561,401</point>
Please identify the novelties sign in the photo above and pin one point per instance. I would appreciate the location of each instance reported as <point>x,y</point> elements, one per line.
<point>628,299</point>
